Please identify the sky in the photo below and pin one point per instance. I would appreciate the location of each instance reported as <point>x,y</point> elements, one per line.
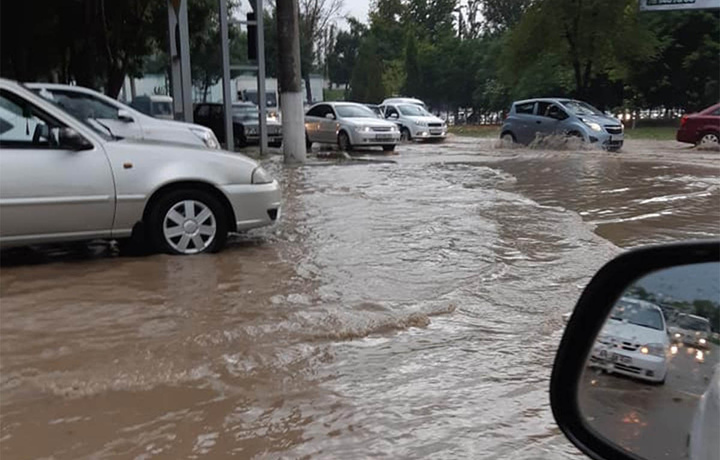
<point>687,282</point>
<point>357,9</point>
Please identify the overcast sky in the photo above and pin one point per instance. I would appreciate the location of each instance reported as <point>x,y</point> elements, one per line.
<point>357,9</point>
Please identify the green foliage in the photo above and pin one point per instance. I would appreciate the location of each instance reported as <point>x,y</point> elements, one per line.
<point>366,83</point>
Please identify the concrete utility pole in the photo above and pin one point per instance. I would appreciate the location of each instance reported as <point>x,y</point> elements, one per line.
<point>227,95</point>
<point>293,118</point>
<point>180,59</point>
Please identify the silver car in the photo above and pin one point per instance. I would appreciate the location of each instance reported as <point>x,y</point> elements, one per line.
<point>122,120</point>
<point>541,117</point>
<point>64,179</point>
<point>349,125</point>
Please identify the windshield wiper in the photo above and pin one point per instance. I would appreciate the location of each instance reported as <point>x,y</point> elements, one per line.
<point>112,135</point>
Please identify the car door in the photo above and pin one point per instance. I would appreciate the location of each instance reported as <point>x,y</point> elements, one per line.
<point>545,121</point>
<point>328,125</point>
<point>392,114</point>
<point>523,122</point>
<point>48,192</point>
<point>86,106</point>
<point>312,123</point>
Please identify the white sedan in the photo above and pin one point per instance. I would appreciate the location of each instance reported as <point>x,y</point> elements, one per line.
<point>349,125</point>
<point>64,179</point>
<point>633,342</point>
<point>122,120</point>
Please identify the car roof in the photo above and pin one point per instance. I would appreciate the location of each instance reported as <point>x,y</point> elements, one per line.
<point>544,99</point>
<point>401,100</point>
<point>698,317</point>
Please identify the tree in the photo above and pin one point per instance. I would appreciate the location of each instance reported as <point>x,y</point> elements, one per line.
<point>500,15</point>
<point>413,83</point>
<point>366,84</point>
<point>589,37</point>
<point>341,60</point>
<point>315,18</point>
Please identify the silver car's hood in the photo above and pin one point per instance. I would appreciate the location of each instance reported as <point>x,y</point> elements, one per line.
<point>149,147</point>
<point>426,119</point>
<point>373,122</point>
<point>166,123</point>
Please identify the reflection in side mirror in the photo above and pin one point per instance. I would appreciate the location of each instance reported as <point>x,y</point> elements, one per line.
<point>124,115</point>
<point>651,385</point>
<point>70,139</point>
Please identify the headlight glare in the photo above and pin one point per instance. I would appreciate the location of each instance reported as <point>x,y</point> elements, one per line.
<point>594,126</point>
<point>654,349</point>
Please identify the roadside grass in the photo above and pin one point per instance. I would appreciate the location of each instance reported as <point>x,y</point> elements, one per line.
<point>475,130</point>
<point>658,133</point>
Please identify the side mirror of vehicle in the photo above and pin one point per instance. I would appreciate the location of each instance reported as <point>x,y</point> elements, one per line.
<point>394,116</point>
<point>70,139</point>
<point>329,116</point>
<point>620,387</point>
<point>124,115</point>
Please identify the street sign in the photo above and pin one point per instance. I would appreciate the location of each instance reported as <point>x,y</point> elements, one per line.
<point>665,5</point>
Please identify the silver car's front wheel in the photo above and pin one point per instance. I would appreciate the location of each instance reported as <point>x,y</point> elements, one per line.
<point>189,227</point>
<point>188,222</point>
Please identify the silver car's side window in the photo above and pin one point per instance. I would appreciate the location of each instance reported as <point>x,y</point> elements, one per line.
<point>22,125</point>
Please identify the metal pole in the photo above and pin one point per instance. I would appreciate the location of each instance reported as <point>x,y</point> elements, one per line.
<point>227,96</point>
<point>293,125</point>
<point>262,103</point>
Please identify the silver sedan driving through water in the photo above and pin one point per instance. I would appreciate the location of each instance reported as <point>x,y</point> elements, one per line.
<point>349,125</point>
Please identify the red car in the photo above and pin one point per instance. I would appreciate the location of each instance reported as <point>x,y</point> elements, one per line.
<point>700,128</point>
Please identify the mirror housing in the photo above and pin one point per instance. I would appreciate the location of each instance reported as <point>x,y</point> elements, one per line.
<point>329,116</point>
<point>70,139</point>
<point>393,116</point>
<point>588,318</point>
<point>124,115</point>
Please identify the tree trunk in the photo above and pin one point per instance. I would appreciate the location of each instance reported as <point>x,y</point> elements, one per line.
<point>308,89</point>
<point>115,80</point>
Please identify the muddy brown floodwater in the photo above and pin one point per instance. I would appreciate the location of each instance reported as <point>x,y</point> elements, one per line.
<point>400,310</point>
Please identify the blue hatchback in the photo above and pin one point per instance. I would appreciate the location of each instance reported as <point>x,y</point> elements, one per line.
<point>531,118</point>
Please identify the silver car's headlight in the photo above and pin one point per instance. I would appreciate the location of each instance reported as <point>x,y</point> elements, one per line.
<point>207,136</point>
<point>363,129</point>
<point>394,128</point>
<point>655,349</point>
<point>594,126</point>
<point>260,176</point>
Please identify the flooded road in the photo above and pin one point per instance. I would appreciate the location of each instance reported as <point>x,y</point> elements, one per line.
<point>399,310</point>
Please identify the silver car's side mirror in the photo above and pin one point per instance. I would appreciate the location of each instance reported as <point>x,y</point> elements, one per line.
<point>621,388</point>
<point>329,116</point>
<point>124,115</point>
<point>70,139</point>
<point>393,116</point>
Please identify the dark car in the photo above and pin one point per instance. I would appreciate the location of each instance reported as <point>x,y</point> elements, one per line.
<point>245,123</point>
<point>701,128</point>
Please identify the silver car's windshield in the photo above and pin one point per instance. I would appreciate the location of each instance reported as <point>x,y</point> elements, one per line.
<point>581,108</point>
<point>640,315</point>
<point>412,110</point>
<point>354,111</point>
<point>85,109</point>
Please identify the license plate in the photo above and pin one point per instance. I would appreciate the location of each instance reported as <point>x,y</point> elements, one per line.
<point>614,357</point>
<point>435,131</point>
<point>383,137</point>
<point>616,138</point>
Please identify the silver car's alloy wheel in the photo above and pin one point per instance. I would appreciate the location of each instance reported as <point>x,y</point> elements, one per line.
<point>189,227</point>
<point>709,139</point>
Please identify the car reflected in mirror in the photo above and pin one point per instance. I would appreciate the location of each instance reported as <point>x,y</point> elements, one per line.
<point>650,381</point>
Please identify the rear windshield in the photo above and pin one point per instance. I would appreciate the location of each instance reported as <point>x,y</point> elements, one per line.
<point>639,315</point>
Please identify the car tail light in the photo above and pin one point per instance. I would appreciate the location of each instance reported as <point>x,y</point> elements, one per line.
<point>683,120</point>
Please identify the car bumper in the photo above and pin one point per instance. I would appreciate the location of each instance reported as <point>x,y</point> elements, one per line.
<point>606,140</point>
<point>630,363</point>
<point>254,205</point>
<point>423,132</point>
<point>686,136</point>
<point>375,138</point>
<point>272,138</point>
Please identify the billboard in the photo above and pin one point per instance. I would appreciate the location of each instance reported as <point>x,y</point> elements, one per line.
<point>664,5</point>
